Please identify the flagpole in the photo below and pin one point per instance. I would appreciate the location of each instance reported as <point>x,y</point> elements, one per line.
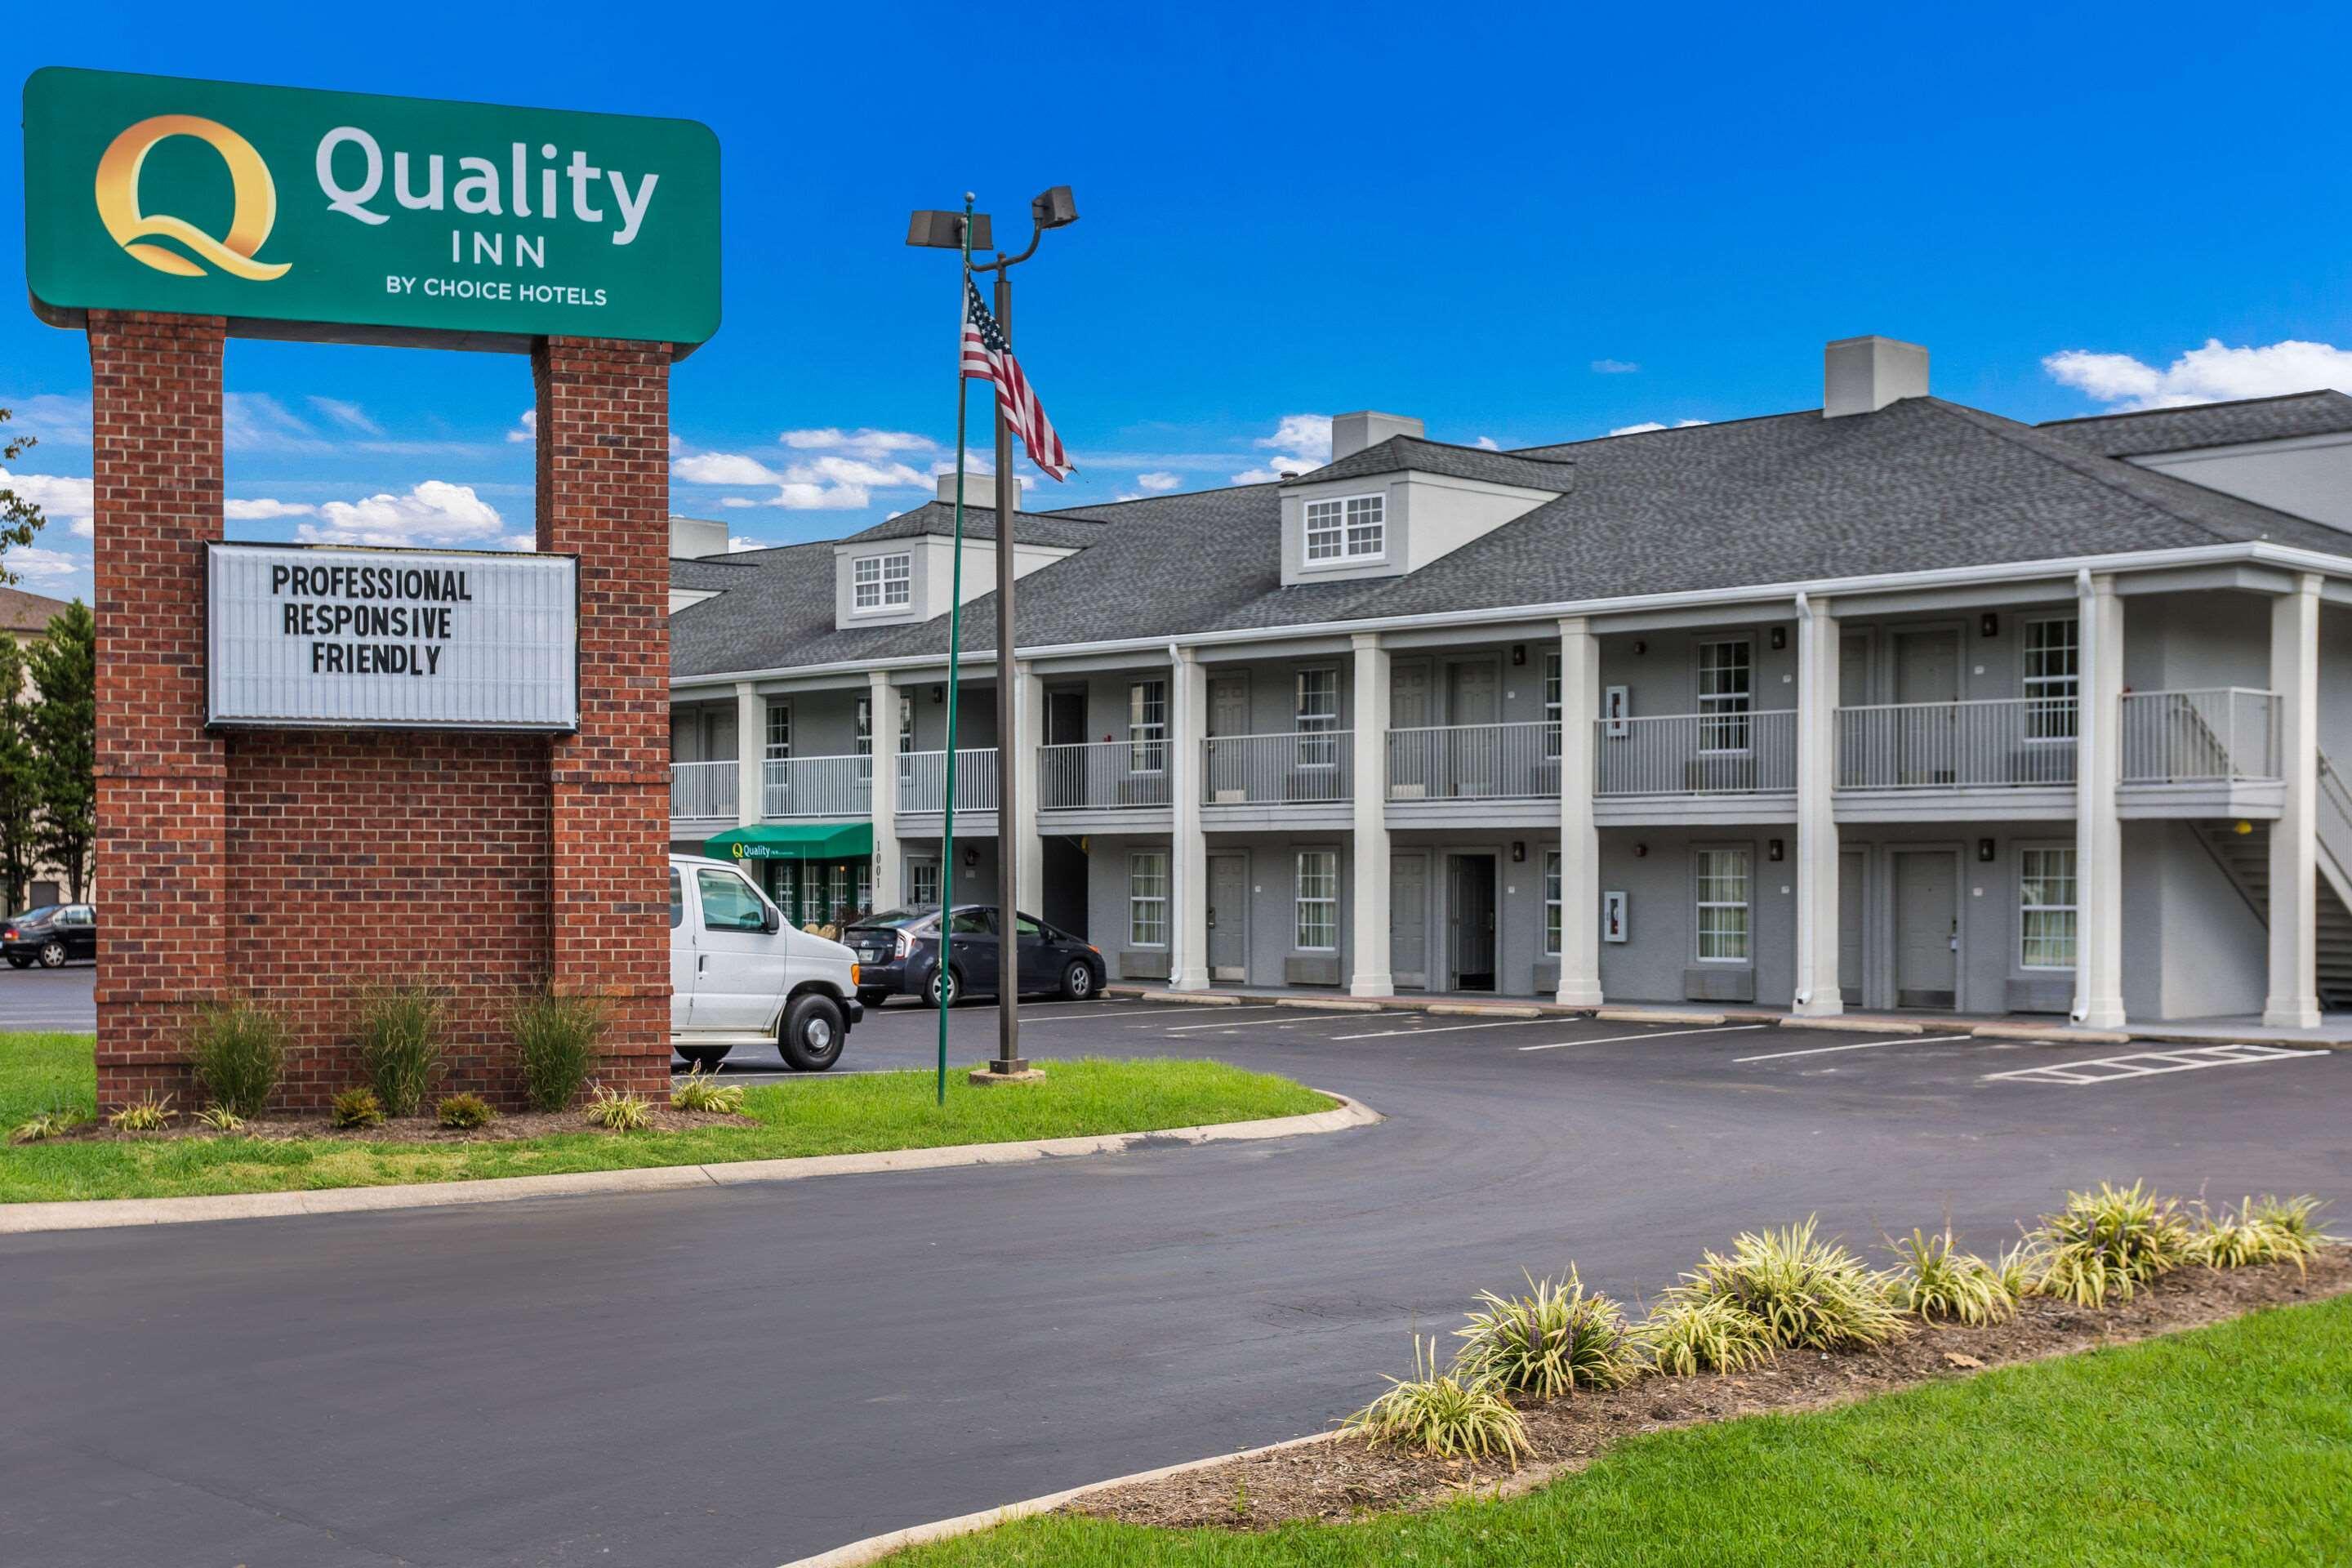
<point>955,633</point>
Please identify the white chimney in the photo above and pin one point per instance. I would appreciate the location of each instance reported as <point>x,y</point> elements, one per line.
<point>691,537</point>
<point>1862,375</point>
<point>1352,433</point>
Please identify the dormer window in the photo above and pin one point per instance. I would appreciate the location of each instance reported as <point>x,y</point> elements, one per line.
<point>1345,530</point>
<point>881,582</point>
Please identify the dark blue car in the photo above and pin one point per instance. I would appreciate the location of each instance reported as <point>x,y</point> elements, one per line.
<point>898,955</point>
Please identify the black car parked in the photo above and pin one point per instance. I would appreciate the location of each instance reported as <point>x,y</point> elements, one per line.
<point>898,955</point>
<point>51,936</point>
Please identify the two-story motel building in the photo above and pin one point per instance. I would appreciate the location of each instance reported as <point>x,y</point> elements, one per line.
<point>1893,703</point>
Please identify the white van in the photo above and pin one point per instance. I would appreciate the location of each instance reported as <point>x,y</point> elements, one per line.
<point>741,975</point>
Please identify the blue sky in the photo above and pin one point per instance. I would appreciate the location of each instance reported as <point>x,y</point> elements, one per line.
<point>1524,227</point>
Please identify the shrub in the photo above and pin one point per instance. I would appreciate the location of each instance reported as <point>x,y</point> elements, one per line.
<point>2263,1230</point>
<point>619,1111</point>
<point>699,1092</point>
<point>1932,1278</point>
<point>239,1049</point>
<point>2017,1269</point>
<point>556,1038</point>
<point>1686,1336</point>
<point>399,1030</point>
<point>1442,1413</point>
<point>2105,1245</point>
<point>465,1111</point>
<point>356,1107</point>
<point>1550,1342</point>
<point>220,1119</point>
<point>47,1124</point>
<point>147,1114</point>
<point>1804,1291</point>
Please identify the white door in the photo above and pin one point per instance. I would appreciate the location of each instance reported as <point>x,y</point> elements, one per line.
<point>739,965</point>
<point>1409,920</point>
<point>1926,928</point>
<point>1413,755</point>
<point>1229,895</point>
<point>681,957</point>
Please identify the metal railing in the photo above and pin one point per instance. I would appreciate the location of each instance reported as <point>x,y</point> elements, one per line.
<point>1696,754</point>
<point>817,787</point>
<point>923,776</point>
<point>2179,737</point>
<point>1102,775</point>
<point>1474,762</point>
<point>2007,742</point>
<point>703,789</point>
<point>2332,818</point>
<point>1296,769</point>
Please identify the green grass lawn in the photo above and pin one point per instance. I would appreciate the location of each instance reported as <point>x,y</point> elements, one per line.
<point>2229,1445</point>
<point>817,1115</point>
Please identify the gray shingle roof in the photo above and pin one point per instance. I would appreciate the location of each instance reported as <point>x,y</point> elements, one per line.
<point>1400,453</point>
<point>1070,529</point>
<point>2208,425</point>
<point>1920,485</point>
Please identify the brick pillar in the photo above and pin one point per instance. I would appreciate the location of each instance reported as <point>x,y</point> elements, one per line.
<point>603,496</point>
<point>155,402</point>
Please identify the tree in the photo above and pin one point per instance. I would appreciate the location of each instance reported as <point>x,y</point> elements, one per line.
<point>19,517</point>
<point>65,720</point>
<point>20,784</point>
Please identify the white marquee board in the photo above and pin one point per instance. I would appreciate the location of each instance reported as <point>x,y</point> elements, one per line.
<point>347,638</point>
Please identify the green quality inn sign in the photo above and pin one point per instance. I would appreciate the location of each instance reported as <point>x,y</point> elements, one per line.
<point>372,218</point>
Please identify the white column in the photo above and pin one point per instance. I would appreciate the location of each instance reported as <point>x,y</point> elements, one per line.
<point>1817,993</point>
<point>1369,919</point>
<point>1188,722</point>
<point>2294,998</point>
<point>1579,839</point>
<point>888,868</point>
<point>2098,831</point>
<point>1029,726</point>
<point>750,754</point>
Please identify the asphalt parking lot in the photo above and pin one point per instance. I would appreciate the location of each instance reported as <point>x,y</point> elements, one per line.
<point>744,1375</point>
<point>39,999</point>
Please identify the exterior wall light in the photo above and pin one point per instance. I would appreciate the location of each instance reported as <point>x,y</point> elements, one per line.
<point>1985,850</point>
<point>1989,624</point>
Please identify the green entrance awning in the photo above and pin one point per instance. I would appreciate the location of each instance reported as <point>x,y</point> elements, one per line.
<point>794,841</point>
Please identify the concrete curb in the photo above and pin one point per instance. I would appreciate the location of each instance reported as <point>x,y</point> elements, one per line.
<point>1653,1016</point>
<point>2065,1034</point>
<point>1328,1005</point>
<point>874,1548</point>
<point>1482,1010</point>
<point>1186,998</point>
<point>1854,1026</point>
<point>103,1213</point>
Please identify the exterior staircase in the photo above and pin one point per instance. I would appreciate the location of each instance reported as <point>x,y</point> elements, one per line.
<point>2245,860</point>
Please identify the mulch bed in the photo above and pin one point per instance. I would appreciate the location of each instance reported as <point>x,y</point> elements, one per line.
<point>1342,1479</point>
<point>409,1129</point>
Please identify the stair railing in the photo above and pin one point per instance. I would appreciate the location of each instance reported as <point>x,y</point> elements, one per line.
<point>2333,818</point>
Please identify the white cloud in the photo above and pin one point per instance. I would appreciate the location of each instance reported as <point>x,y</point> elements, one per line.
<point>434,512</point>
<point>261,509</point>
<point>1614,367</point>
<point>35,564</point>
<point>724,468</point>
<point>1488,444</point>
<point>57,495</point>
<point>1647,426</point>
<point>349,416</point>
<point>257,422</point>
<point>527,429</point>
<point>737,501</point>
<point>865,442</point>
<point>1300,442</point>
<point>1159,480</point>
<point>2209,375</point>
<point>50,417</point>
<point>743,542</point>
<point>85,528</point>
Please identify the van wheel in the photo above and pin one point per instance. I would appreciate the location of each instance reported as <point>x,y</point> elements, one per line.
<point>1078,981</point>
<point>707,1058</point>
<point>954,986</point>
<point>873,999</point>
<point>814,1032</point>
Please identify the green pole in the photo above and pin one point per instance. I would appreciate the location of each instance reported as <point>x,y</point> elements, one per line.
<point>955,635</point>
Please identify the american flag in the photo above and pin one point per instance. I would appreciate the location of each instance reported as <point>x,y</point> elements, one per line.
<point>988,357</point>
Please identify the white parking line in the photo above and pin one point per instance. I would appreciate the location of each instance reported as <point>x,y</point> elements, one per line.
<point>1084,1017</point>
<point>1654,1034</point>
<point>1861,1046</point>
<point>1450,1028</point>
<point>1219,1023</point>
<point>2149,1064</point>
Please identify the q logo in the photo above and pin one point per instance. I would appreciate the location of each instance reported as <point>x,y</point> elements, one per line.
<point>249,225</point>
<point>738,848</point>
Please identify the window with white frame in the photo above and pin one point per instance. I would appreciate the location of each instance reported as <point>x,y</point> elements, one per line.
<point>2046,908</point>
<point>923,883</point>
<point>1147,898</point>
<point>881,582</point>
<point>1318,900</point>
<point>1726,694</point>
<point>1551,704</point>
<point>1551,904</point>
<point>1723,904</point>
<point>1354,529</point>
<point>2054,654</point>
<point>1317,713</point>
<point>780,732</point>
<point>1147,726</point>
<point>863,746</point>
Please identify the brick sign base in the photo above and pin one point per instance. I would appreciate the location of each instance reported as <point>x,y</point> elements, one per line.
<point>294,867</point>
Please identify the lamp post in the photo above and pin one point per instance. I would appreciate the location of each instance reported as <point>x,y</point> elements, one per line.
<point>1054,208</point>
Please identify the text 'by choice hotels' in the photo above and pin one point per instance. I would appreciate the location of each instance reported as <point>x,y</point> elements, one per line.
<point>372,620</point>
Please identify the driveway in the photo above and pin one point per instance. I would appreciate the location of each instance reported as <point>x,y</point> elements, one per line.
<point>49,998</point>
<point>740,1376</point>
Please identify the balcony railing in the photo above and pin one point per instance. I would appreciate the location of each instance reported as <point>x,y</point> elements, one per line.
<point>1696,754</point>
<point>1296,769</point>
<point>817,787</point>
<point>703,789</point>
<point>1474,762</point>
<point>1102,775</point>
<point>2010,743</point>
<point>923,776</point>
<point>2183,737</point>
